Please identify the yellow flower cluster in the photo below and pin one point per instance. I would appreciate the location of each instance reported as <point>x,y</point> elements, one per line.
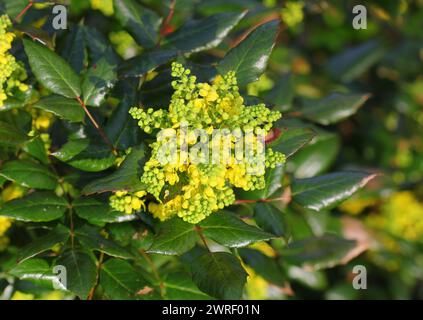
<point>292,14</point>
<point>192,189</point>
<point>127,202</point>
<point>402,216</point>
<point>11,72</point>
<point>105,6</point>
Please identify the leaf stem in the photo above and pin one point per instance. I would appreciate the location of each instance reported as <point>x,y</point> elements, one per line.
<point>29,5</point>
<point>201,235</point>
<point>165,25</point>
<point>97,277</point>
<point>97,126</point>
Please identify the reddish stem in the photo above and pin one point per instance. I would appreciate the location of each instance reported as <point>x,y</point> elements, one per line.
<point>29,5</point>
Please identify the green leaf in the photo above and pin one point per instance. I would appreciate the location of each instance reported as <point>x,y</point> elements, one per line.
<point>147,61</point>
<point>174,237</point>
<point>29,174</point>
<point>291,140</point>
<point>36,148</point>
<point>10,136</point>
<point>58,235</point>
<point>199,35</point>
<point>220,275</point>
<point>120,280</point>
<point>52,71</point>
<point>228,230</point>
<point>263,265</point>
<point>249,58</point>
<point>81,272</point>
<point>98,212</point>
<point>36,269</point>
<point>75,48</point>
<point>91,239</point>
<point>319,252</point>
<point>282,94</point>
<point>180,286</point>
<point>328,191</point>
<point>127,177</point>
<point>317,156</point>
<point>123,130</point>
<point>65,108</point>
<point>85,155</point>
<point>333,108</point>
<point>353,62</point>
<point>98,81</point>
<point>36,207</point>
<point>141,22</point>
<point>270,218</point>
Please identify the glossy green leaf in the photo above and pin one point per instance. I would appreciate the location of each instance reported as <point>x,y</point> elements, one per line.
<point>333,108</point>
<point>99,212</point>
<point>120,280</point>
<point>142,23</point>
<point>199,35</point>
<point>65,108</point>
<point>328,191</point>
<point>220,275</point>
<point>319,252</point>
<point>353,62</point>
<point>52,71</point>
<point>282,94</point>
<point>179,286</point>
<point>249,58</point>
<point>174,237</point>
<point>11,136</point>
<point>75,48</point>
<point>86,156</point>
<point>36,207</point>
<point>270,218</point>
<point>127,177</point>
<point>228,230</point>
<point>81,272</point>
<point>58,235</point>
<point>91,239</point>
<point>36,148</point>
<point>263,265</point>
<point>291,140</point>
<point>147,61</point>
<point>29,174</point>
<point>98,81</point>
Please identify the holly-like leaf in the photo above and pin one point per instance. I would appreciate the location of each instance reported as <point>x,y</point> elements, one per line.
<point>228,230</point>
<point>98,212</point>
<point>249,58</point>
<point>36,148</point>
<point>75,48</point>
<point>263,265</point>
<point>10,136</point>
<point>36,207</point>
<point>58,235</point>
<point>65,108</point>
<point>29,174</point>
<point>291,140</point>
<point>179,286</point>
<point>319,252</point>
<point>121,281</point>
<point>199,35</point>
<point>127,177</point>
<point>174,237</point>
<point>81,272</point>
<point>38,270</point>
<point>142,23</point>
<point>52,71</point>
<point>85,155</point>
<point>220,275</point>
<point>270,218</point>
<point>147,61</point>
<point>333,108</point>
<point>328,191</point>
<point>91,239</point>
<point>98,81</point>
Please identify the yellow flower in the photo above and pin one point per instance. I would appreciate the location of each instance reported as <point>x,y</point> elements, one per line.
<point>105,6</point>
